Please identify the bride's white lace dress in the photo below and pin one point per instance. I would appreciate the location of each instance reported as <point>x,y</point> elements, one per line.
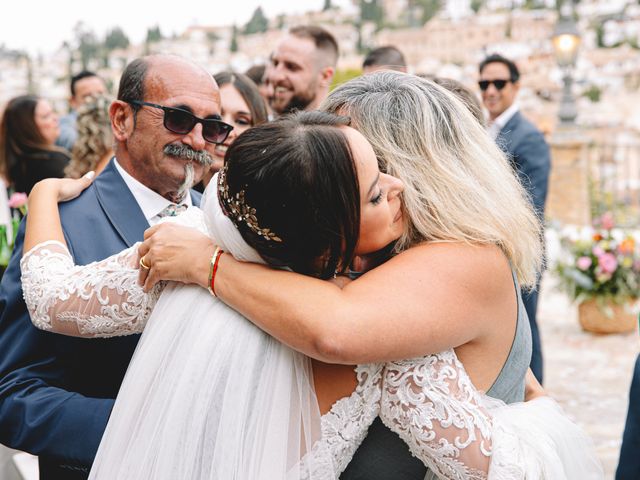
<point>209,396</point>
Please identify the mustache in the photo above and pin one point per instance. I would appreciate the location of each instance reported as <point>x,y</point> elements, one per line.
<point>187,153</point>
<point>189,177</point>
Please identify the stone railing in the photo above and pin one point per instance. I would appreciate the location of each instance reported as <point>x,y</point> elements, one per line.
<point>588,176</point>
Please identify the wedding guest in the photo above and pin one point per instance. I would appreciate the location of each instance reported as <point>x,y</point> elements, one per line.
<point>242,107</point>
<point>56,393</point>
<point>301,69</point>
<point>28,152</point>
<point>529,153</point>
<point>94,146</point>
<point>83,85</point>
<point>384,58</point>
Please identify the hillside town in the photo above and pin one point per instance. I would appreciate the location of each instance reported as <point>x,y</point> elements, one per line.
<point>438,38</point>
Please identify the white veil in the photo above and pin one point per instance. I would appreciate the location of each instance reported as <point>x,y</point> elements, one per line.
<point>210,396</point>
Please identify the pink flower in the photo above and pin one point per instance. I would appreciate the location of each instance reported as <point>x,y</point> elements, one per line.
<point>606,221</point>
<point>17,200</point>
<point>608,263</point>
<point>583,263</point>
<point>598,251</point>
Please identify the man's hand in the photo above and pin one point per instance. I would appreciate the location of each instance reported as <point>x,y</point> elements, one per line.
<point>174,252</point>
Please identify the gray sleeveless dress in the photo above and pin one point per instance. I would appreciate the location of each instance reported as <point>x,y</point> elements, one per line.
<point>384,456</point>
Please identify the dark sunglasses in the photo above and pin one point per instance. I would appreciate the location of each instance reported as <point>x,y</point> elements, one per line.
<point>181,121</point>
<point>499,84</point>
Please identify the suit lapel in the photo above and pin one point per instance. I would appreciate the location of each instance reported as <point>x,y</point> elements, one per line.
<point>119,205</point>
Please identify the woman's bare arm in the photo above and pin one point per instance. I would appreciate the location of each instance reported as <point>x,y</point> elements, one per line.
<point>425,300</point>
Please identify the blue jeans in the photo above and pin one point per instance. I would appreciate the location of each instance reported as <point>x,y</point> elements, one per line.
<point>629,463</point>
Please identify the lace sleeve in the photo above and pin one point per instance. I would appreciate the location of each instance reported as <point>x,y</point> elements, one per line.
<point>432,405</point>
<point>101,299</point>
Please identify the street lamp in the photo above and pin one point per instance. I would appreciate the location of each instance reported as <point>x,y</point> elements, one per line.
<point>566,40</point>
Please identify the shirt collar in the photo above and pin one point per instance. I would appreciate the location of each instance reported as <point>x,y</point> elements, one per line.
<point>150,202</point>
<point>502,119</point>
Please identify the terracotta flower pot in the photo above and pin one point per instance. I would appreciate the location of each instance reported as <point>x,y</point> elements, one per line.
<point>594,319</point>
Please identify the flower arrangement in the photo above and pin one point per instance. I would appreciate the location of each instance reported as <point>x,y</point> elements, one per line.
<point>18,200</point>
<point>602,264</point>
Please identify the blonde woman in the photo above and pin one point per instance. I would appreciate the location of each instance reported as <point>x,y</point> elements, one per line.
<point>94,146</point>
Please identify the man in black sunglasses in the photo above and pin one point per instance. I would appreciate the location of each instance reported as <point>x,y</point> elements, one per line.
<point>527,149</point>
<point>56,392</point>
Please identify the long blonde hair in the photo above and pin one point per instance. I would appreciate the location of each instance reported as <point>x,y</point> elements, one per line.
<point>459,186</point>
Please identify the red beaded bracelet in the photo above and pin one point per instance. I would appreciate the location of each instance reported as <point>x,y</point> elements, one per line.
<point>213,268</point>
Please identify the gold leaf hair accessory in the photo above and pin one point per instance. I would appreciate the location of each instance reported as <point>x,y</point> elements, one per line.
<point>235,207</point>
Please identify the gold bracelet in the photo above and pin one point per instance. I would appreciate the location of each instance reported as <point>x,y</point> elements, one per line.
<point>212,264</point>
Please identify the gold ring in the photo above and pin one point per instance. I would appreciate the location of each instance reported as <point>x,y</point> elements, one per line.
<point>143,265</point>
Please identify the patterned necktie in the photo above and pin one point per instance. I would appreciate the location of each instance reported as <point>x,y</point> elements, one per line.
<point>172,210</point>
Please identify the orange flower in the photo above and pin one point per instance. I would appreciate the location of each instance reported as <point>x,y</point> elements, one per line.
<point>627,245</point>
<point>597,237</point>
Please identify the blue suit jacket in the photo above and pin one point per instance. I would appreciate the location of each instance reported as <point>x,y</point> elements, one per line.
<point>56,392</point>
<point>529,152</point>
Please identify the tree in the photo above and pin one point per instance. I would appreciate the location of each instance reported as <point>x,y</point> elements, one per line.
<point>88,44</point>
<point>115,39</point>
<point>233,46</point>
<point>212,38</point>
<point>258,23</point>
<point>327,5</point>
<point>429,9</point>
<point>154,35</point>
<point>476,5</point>
<point>371,11</point>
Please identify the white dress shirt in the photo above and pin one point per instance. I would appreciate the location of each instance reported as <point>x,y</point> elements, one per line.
<point>502,119</point>
<point>150,202</point>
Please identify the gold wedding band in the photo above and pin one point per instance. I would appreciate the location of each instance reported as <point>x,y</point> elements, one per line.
<point>143,265</point>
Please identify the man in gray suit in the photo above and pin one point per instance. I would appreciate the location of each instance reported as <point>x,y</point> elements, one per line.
<point>526,147</point>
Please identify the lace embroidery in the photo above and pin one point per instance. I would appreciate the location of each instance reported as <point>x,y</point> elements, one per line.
<point>101,299</point>
<point>345,426</point>
<point>432,405</point>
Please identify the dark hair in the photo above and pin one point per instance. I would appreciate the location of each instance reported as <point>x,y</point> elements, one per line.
<point>514,73</point>
<point>79,76</point>
<point>299,176</point>
<point>256,73</point>
<point>248,91</point>
<point>465,95</point>
<point>131,86</point>
<point>19,136</point>
<point>322,39</point>
<point>385,56</point>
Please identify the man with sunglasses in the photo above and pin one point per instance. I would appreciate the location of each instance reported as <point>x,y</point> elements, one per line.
<point>526,147</point>
<point>56,392</point>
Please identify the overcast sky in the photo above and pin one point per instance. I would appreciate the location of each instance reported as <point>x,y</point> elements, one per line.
<point>42,25</point>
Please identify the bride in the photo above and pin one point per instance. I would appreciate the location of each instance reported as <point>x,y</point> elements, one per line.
<point>207,395</point>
